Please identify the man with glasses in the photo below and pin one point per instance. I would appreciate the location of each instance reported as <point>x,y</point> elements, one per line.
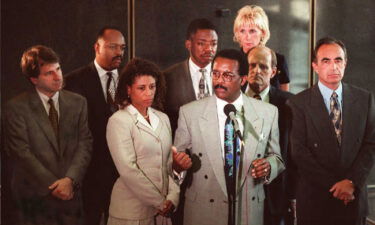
<point>207,132</point>
<point>98,82</point>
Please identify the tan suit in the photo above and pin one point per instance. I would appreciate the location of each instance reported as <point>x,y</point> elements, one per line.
<point>206,196</point>
<point>143,159</point>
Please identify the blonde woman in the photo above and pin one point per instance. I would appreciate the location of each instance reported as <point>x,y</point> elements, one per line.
<point>251,29</point>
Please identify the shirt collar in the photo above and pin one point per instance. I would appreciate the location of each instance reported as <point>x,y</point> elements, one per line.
<point>154,120</point>
<point>102,72</point>
<point>263,94</point>
<point>238,104</point>
<point>45,98</point>
<point>195,68</point>
<point>327,92</point>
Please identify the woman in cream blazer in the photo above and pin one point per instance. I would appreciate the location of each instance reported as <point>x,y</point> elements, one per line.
<point>139,138</point>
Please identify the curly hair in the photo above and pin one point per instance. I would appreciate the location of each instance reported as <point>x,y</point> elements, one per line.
<point>135,68</point>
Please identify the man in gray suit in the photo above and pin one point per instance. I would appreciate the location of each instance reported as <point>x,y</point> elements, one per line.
<point>200,129</point>
<point>49,142</point>
<point>333,133</point>
<point>183,78</point>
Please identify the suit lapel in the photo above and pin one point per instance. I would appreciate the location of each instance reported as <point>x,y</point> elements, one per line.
<point>41,117</point>
<point>188,82</point>
<point>95,89</point>
<point>253,126</point>
<point>65,120</point>
<point>145,128</point>
<point>209,129</point>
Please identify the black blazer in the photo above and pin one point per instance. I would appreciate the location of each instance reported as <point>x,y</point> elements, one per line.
<point>281,190</point>
<point>180,90</point>
<point>322,162</point>
<point>85,81</point>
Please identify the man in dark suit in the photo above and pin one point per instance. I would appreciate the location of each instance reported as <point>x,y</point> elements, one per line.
<point>333,133</point>
<point>97,83</point>
<point>183,79</point>
<point>49,142</point>
<point>262,67</point>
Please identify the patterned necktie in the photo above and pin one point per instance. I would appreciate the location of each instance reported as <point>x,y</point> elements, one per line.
<point>111,92</point>
<point>203,87</point>
<point>256,96</point>
<point>335,116</point>
<point>53,117</point>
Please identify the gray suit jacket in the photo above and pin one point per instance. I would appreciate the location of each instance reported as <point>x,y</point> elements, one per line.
<point>38,158</point>
<point>206,196</point>
<point>180,90</point>
<point>322,162</point>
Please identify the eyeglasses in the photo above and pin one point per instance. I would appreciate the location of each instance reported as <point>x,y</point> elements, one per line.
<point>114,47</point>
<point>227,76</point>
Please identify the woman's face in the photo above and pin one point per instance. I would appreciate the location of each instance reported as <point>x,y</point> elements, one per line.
<point>249,36</point>
<point>142,92</point>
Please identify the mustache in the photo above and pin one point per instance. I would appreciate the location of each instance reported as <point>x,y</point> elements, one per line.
<point>220,86</point>
<point>117,57</point>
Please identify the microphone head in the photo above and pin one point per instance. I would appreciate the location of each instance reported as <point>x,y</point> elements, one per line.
<point>228,108</point>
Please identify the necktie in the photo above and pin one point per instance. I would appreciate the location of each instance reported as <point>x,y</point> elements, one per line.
<point>231,148</point>
<point>53,117</point>
<point>335,116</point>
<point>256,96</point>
<point>111,92</point>
<point>203,88</point>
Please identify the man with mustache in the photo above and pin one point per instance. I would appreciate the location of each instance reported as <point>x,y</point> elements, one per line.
<point>206,131</point>
<point>190,79</point>
<point>279,204</point>
<point>98,82</point>
<point>49,143</point>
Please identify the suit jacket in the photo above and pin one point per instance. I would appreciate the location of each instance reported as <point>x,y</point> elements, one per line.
<point>85,81</point>
<point>38,158</point>
<point>144,160</point>
<point>282,189</point>
<point>322,162</point>
<point>180,90</point>
<point>206,196</point>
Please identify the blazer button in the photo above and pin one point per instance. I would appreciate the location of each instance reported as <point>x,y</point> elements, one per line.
<point>253,198</point>
<point>258,155</point>
<point>211,200</point>
<point>205,176</point>
<point>200,154</point>
<point>315,145</point>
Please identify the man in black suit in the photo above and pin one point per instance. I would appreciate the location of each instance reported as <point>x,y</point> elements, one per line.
<point>49,143</point>
<point>183,79</point>
<point>97,82</point>
<point>333,133</point>
<point>279,194</point>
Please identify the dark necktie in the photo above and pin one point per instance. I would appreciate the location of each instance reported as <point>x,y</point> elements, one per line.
<point>203,88</point>
<point>335,116</point>
<point>231,147</point>
<point>53,117</point>
<point>256,96</point>
<point>110,88</point>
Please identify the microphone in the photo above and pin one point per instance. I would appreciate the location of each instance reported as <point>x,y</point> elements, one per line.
<point>230,111</point>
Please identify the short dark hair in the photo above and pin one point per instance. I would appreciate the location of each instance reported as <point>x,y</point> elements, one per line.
<point>327,41</point>
<point>199,24</point>
<point>236,55</point>
<point>35,57</point>
<point>101,32</point>
<point>135,68</point>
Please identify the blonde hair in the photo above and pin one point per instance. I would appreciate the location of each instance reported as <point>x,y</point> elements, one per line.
<point>255,15</point>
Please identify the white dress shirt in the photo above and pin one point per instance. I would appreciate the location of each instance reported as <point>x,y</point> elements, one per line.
<point>220,104</point>
<point>154,119</point>
<point>104,77</point>
<point>196,76</point>
<point>263,94</point>
<point>327,93</point>
<point>46,105</point>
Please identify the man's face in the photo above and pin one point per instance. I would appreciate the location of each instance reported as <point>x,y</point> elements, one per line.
<point>226,90</point>
<point>49,80</point>
<point>330,65</point>
<point>109,50</point>
<point>260,69</point>
<point>202,47</point>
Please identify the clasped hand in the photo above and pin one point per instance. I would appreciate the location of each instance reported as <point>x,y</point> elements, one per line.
<point>62,188</point>
<point>343,190</point>
<point>181,160</point>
